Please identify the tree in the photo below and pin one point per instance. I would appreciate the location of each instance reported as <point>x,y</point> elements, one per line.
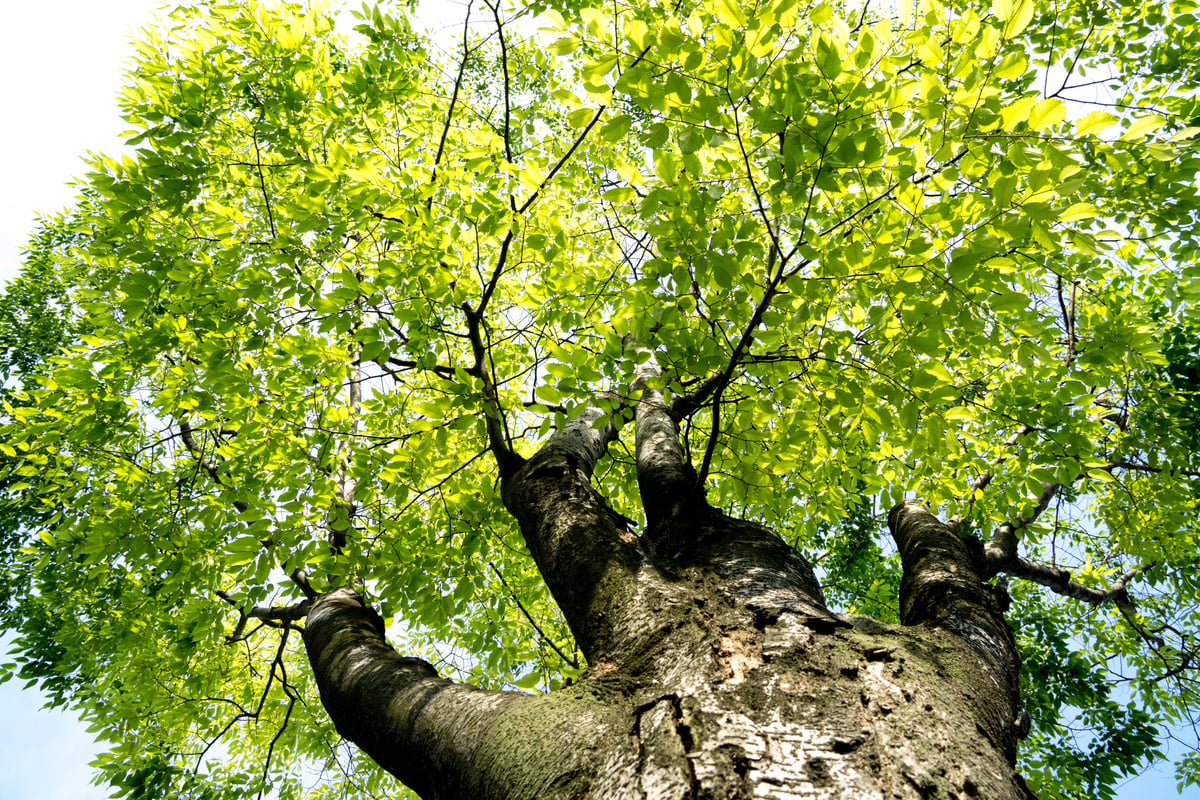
<point>588,365</point>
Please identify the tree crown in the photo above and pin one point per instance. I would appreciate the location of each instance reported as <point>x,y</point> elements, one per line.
<point>343,280</point>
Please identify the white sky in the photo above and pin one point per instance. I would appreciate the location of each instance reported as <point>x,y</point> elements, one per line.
<point>62,62</point>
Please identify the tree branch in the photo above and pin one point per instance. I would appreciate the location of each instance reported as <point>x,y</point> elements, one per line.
<point>942,586</point>
<point>586,552</point>
<point>400,363</point>
<point>262,182</point>
<point>204,462</point>
<point>684,405</point>
<point>274,616</point>
<point>421,728</point>
<point>1059,581</point>
<point>495,9</point>
<point>985,479</point>
<point>723,380</point>
<point>498,439</point>
<point>1001,550</point>
<point>666,478</point>
<point>437,159</point>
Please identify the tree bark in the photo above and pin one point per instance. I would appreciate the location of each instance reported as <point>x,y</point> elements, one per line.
<point>715,669</point>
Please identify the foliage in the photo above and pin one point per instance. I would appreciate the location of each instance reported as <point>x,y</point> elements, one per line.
<point>915,256</point>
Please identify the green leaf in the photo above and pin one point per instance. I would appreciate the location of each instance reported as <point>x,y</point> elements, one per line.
<point>1143,127</point>
<point>1047,113</point>
<point>1014,65</point>
<point>581,117</point>
<point>1016,15</point>
<point>729,12</point>
<point>1079,211</point>
<point>638,33</point>
<point>1094,122</point>
<point>1015,113</point>
<point>615,129</point>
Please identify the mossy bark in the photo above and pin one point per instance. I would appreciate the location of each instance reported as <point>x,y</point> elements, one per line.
<point>715,669</point>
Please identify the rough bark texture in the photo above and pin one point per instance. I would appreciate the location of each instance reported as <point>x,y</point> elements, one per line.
<point>715,669</point>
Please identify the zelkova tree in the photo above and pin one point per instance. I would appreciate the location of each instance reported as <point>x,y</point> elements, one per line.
<point>709,399</point>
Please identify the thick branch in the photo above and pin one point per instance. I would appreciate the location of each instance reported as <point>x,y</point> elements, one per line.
<point>666,478</point>
<point>1059,580</point>
<point>684,405</point>
<point>1000,554</point>
<point>941,578</point>
<point>985,479</point>
<point>1001,549</point>
<point>423,729</point>
<point>584,550</point>
<point>942,587</point>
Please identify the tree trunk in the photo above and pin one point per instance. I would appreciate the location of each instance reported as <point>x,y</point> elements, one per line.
<point>715,670</point>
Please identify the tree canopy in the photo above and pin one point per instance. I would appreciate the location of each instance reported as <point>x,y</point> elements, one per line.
<point>943,251</point>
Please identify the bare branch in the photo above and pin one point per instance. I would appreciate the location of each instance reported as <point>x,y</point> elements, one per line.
<point>274,616</point>
<point>723,380</point>
<point>278,664</point>
<point>565,157</point>
<point>684,405</point>
<point>1001,550</point>
<point>400,363</point>
<point>574,145</point>
<point>495,8</point>
<point>262,182</point>
<point>437,159</point>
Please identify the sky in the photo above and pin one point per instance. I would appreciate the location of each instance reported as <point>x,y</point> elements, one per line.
<point>62,64</point>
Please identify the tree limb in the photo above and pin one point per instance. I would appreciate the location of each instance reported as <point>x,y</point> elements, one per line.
<point>1001,550</point>
<point>666,478</point>
<point>498,439</point>
<point>723,380</point>
<point>495,9</point>
<point>274,616</point>
<point>985,479</point>
<point>1059,581</point>
<point>418,726</point>
<point>684,405</point>
<point>437,159</point>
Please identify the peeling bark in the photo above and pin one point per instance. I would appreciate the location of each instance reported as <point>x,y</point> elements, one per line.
<point>716,671</point>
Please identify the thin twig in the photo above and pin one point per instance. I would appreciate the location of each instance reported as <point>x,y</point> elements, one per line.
<point>204,462</point>
<point>572,661</point>
<point>453,98</point>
